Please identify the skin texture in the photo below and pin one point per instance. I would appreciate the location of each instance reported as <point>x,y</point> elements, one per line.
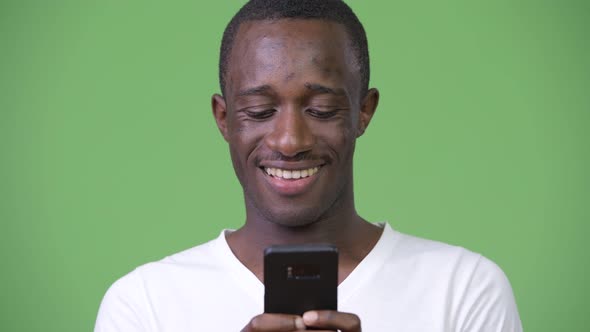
<point>293,101</point>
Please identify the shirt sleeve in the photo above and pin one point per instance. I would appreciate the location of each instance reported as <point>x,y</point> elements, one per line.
<point>124,307</point>
<point>489,304</point>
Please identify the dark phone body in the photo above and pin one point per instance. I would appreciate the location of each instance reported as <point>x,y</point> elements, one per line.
<point>299,278</point>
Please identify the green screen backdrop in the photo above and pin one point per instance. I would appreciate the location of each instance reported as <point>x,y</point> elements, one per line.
<point>110,157</point>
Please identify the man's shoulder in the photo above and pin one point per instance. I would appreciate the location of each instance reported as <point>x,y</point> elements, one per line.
<point>431,255</point>
<point>204,257</point>
<point>201,259</point>
<point>169,291</point>
<point>410,247</point>
<point>197,255</point>
<point>451,264</point>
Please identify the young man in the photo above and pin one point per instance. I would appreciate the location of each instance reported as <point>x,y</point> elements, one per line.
<point>294,78</point>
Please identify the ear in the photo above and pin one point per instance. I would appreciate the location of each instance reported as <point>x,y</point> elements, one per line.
<point>368,108</point>
<point>219,108</point>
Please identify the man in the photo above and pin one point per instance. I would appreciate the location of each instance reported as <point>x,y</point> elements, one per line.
<point>294,78</point>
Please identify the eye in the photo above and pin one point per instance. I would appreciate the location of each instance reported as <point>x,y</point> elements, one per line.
<point>316,113</point>
<point>260,115</point>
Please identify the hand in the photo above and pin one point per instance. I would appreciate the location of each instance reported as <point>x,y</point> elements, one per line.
<point>319,319</point>
<point>332,320</point>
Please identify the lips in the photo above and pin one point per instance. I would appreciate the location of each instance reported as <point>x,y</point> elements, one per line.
<point>290,181</point>
<point>291,174</point>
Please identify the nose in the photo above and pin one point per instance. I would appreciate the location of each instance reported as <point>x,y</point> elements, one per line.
<point>290,134</point>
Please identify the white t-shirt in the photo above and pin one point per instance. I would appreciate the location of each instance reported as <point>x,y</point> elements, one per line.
<point>404,284</point>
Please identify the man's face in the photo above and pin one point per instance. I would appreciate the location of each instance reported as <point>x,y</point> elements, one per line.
<point>291,117</point>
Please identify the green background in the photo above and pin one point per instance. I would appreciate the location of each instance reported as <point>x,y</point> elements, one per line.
<point>110,157</point>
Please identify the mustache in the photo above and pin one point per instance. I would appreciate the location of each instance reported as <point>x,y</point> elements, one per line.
<point>277,156</point>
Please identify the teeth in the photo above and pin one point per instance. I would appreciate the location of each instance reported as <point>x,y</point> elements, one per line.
<point>291,174</point>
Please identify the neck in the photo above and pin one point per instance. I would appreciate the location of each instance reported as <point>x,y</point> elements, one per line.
<point>352,235</point>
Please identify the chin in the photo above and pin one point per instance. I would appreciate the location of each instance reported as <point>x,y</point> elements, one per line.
<point>293,218</point>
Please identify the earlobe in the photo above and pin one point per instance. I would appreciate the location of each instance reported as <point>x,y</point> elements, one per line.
<point>368,108</point>
<point>219,109</point>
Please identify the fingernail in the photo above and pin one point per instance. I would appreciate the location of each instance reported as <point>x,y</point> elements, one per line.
<point>310,317</point>
<point>299,324</point>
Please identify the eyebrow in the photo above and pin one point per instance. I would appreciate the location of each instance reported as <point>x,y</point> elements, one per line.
<point>324,89</point>
<point>257,90</point>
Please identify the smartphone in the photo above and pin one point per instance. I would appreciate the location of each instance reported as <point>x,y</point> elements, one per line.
<point>299,278</point>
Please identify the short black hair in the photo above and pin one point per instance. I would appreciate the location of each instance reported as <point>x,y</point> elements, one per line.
<point>329,10</point>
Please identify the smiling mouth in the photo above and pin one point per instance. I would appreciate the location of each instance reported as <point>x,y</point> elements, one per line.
<point>289,174</point>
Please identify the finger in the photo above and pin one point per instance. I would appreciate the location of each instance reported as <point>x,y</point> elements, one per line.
<point>334,320</point>
<point>274,322</point>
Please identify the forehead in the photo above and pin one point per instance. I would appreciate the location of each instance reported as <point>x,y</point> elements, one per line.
<point>291,50</point>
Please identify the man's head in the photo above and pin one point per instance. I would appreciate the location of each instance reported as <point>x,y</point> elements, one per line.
<point>293,104</point>
<point>326,10</point>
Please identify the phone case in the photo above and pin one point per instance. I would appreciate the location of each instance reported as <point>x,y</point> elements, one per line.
<point>299,278</point>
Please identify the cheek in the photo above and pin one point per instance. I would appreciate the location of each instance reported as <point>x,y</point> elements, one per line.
<point>242,131</point>
<point>236,160</point>
<point>338,135</point>
<point>245,138</point>
<point>241,153</point>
